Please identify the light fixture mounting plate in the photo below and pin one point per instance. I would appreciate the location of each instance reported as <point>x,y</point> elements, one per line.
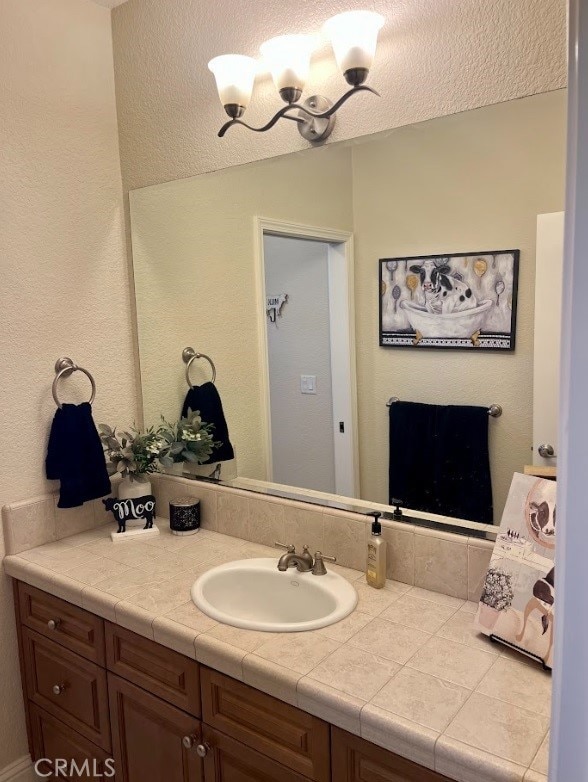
<point>315,129</point>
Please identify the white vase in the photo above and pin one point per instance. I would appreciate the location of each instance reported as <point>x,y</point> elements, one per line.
<point>130,489</point>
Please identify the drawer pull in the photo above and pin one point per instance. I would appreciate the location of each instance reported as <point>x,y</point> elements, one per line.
<point>202,750</point>
<point>57,689</point>
<point>53,624</point>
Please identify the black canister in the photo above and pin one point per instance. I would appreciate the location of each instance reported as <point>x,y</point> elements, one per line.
<point>184,516</point>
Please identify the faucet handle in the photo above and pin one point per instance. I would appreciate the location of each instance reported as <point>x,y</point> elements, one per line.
<point>290,548</point>
<point>319,568</point>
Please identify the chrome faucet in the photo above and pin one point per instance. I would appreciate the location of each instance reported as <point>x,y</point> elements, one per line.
<point>304,563</point>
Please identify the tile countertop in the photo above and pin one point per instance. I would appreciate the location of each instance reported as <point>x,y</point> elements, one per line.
<point>405,670</point>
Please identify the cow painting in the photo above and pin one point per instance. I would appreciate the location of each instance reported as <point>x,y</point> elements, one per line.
<point>131,509</point>
<point>457,300</point>
<point>440,291</point>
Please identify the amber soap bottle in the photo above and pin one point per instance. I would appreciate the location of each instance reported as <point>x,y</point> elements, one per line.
<point>376,555</point>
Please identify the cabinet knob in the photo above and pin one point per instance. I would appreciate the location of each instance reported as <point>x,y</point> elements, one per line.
<point>188,742</point>
<point>202,750</point>
<point>57,689</point>
<point>53,624</point>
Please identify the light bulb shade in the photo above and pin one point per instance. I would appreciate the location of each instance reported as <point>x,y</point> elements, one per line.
<point>235,76</point>
<point>354,35</point>
<point>288,60</point>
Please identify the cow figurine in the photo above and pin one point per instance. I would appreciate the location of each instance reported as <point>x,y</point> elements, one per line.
<point>129,509</point>
<point>441,292</point>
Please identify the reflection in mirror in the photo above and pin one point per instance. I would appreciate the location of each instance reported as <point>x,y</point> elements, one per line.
<point>273,270</point>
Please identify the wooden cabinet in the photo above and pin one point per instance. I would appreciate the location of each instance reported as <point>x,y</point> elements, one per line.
<point>287,735</point>
<point>357,760</point>
<point>70,626</point>
<point>53,739</point>
<point>153,741</point>
<point>67,686</point>
<point>227,760</point>
<point>159,670</point>
<point>92,688</point>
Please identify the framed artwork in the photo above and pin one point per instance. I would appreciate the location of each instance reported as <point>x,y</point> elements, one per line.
<point>460,301</point>
<point>517,599</point>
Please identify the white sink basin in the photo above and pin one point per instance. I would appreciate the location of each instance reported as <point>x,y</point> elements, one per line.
<point>255,595</point>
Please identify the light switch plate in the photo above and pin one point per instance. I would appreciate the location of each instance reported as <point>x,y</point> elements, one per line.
<point>308,384</point>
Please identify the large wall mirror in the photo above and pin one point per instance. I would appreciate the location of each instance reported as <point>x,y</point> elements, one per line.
<point>288,272</point>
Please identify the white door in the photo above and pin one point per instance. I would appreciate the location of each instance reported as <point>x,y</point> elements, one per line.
<point>548,297</point>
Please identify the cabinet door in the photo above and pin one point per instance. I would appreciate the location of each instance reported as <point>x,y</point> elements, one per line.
<point>227,760</point>
<point>357,760</point>
<point>65,753</point>
<point>67,686</point>
<point>148,737</point>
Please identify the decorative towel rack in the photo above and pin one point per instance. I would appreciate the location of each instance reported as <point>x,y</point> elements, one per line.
<point>189,355</point>
<point>494,410</point>
<point>64,367</point>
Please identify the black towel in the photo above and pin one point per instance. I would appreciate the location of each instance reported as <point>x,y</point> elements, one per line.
<point>206,399</point>
<point>75,456</point>
<point>439,460</point>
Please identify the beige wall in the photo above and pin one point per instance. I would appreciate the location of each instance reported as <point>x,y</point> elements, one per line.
<point>471,182</point>
<point>64,281</point>
<point>434,58</point>
<point>193,250</point>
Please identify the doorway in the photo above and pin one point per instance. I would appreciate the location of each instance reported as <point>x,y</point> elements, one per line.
<point>308,356</point>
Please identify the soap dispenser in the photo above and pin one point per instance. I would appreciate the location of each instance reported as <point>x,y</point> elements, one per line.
<point>376,555</point>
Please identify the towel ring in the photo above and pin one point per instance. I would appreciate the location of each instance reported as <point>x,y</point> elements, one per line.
<point>189,355</point>
<point>64,367</point>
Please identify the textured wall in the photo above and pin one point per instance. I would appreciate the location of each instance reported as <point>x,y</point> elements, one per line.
<point>299,343</point>
<point>64,282</point>
<point>435,57</point>
<point>472,182</point>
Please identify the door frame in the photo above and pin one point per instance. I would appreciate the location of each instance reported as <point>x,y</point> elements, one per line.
<point>342,301</point>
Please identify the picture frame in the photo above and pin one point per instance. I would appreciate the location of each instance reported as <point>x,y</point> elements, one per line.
<point>455,301</point>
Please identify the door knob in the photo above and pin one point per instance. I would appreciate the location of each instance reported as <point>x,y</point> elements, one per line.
<point>53,624</point>
<point>546,451</point>
<point>57,689</point>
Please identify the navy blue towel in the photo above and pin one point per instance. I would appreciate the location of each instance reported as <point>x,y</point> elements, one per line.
<point>206,399</point>
<point>439,460</point>
<point>75,456</point>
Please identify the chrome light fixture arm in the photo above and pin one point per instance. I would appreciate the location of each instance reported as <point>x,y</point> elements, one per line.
<point>313,125</point>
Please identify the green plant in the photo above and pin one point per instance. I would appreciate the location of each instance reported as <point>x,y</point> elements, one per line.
<point>188,440</point>
<point>132,454</point>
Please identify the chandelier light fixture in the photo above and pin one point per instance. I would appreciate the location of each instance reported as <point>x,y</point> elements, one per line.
<point>353,36</point>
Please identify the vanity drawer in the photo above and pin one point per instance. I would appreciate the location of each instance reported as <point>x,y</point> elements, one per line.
<point>161,671</point>
<point>67,686</point>
<point>52,739</point>
<point>63,622</point>
<point>281,732</point>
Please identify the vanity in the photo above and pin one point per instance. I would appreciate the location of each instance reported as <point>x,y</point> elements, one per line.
<point>118,662</point>
<point>160,714</point>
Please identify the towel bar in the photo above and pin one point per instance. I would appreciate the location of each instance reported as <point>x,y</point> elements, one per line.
<point>494,410</point>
